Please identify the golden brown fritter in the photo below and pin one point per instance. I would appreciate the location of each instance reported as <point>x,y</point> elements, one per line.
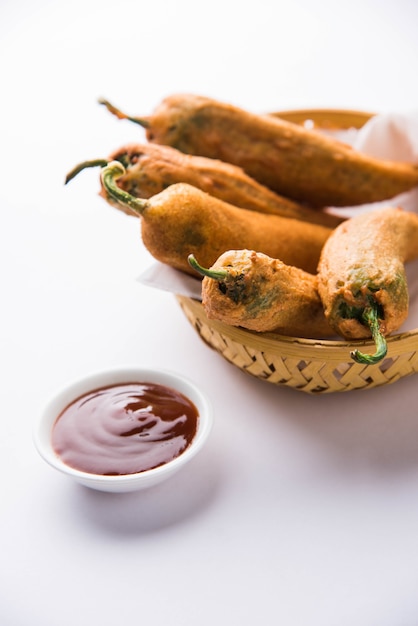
<point>363,263</point>
<point>254,291</point>
<point>183,220</point>
<point>292,160</point>
<point>151,168</point>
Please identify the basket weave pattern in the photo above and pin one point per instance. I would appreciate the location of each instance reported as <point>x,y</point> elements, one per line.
<point>312,366</point>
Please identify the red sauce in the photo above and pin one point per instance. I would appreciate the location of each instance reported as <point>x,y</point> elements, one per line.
<point>125,428</point>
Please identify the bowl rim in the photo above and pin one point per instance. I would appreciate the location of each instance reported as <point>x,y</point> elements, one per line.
<point>41,434</point>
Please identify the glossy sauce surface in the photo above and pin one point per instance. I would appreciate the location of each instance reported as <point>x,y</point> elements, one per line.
<point>125,428</point>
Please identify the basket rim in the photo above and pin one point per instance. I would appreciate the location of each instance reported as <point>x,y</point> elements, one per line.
<point>330,349</point>
<point>339,119</point>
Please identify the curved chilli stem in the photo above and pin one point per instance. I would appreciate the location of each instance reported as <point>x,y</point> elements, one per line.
<point>371,319</point>
<point>142,121</point>
<point>109,175</point>
<point>215,274</point>
<point>82,166</point>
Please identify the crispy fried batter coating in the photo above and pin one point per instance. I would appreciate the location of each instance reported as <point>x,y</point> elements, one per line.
<point>292,160</point>
<point>184,220</point>
<point>263,294</point>
<point>151,168</point>
<point>363,260</point>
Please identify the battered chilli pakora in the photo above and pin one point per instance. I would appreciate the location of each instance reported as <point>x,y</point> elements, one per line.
<point>251,290</point>
<point>361,275</point>
<point>294,161</point>
<point>151,168</point>
<point>183,220</point>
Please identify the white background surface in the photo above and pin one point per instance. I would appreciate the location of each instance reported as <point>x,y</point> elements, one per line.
<point>300,510</point>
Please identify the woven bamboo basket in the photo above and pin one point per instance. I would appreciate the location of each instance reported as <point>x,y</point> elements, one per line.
<point>308,365</point>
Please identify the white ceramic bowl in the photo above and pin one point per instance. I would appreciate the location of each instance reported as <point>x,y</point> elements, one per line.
<point>127,482</point>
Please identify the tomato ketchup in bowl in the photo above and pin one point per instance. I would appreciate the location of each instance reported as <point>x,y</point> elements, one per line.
<point>124,429</point>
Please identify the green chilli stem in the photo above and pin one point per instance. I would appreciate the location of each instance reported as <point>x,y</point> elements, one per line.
<point>82,166</point>
<point>371,319</point>
<point>109,175</point>
<point>142,121</point>
<point>215,274</point>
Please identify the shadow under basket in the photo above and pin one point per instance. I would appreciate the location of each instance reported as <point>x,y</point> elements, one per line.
<point>309,365</point>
